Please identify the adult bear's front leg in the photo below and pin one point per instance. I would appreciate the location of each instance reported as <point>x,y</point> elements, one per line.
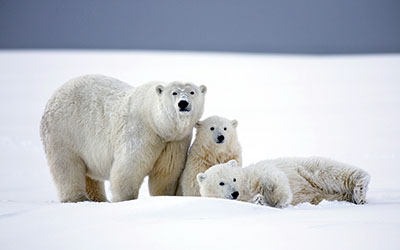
<point>164,178</point>
<point>129,170</point>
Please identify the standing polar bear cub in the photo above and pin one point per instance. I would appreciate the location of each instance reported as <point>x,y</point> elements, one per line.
<point>97,128</point>
<point>285,181</point>
<point>216,142</point>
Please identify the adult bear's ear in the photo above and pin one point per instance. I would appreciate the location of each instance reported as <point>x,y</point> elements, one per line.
<point>198,124</point>
<point>201,177</point>
<point>203,89</point>
<point>234,123</point>
<point>159,89</point>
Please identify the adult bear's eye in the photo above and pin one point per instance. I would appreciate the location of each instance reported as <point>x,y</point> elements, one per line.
<point>224,128</point>
<point>212,128</point>
<point>234,179</point>
<point>174,93</point>
<point>192,93</point>
<point>221,183</point>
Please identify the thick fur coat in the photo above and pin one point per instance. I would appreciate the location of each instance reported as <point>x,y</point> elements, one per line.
<point>97,128</point>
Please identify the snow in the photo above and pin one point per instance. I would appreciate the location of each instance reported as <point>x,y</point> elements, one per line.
<point>342,107</point>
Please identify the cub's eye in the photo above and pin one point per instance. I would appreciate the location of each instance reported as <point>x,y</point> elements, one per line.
<point>224,128</point>
<point>174,93</point>
<point>234,179</point>
<point>221,183</point>
<point>212,128</point>
<point>192,92</point>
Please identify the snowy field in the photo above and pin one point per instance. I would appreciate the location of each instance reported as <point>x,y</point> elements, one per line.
<point>342,107</point>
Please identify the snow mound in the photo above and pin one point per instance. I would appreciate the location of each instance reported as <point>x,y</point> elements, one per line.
<point>342,107</point>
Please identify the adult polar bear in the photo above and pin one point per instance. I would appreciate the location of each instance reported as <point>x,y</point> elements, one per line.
<point>97,128</point>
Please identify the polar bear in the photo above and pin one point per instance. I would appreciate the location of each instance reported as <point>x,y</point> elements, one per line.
<point>97,128</point>
<point>284,181</point>
<point>216,142</point>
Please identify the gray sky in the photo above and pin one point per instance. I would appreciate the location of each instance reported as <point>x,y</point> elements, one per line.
<point>280,26</point>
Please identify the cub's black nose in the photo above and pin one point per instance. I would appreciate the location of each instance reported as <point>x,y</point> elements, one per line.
<point>220,138</point>
<point>235,195</point>
<point>183,104</point>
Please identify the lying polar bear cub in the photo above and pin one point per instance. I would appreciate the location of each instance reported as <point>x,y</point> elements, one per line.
<point>284,181</point>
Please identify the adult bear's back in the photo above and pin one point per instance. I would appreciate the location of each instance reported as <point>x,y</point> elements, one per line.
<point>79,113</point>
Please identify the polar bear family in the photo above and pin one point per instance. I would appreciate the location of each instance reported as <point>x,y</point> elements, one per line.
<point>97,128</point>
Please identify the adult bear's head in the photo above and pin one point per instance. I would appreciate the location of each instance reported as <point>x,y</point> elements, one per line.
<point>180,106</point>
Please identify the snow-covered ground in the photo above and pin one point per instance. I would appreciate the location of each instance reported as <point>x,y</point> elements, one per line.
<point>343,107</point>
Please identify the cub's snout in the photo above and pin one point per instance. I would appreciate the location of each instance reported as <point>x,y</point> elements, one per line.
<point>235,195</point>
<point>220,139</point>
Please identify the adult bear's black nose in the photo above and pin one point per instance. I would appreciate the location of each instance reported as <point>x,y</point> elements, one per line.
<point>220,138</point>
<point>183,104</point>
<point>235,195</point>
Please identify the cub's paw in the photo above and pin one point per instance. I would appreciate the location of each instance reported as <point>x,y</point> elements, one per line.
<point>283,204</point>
<point>360,190</point>
<point>259,200</point>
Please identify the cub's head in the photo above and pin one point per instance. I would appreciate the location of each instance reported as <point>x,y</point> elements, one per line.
<point>181,98</point>
<point>221,181</point>
<point>217,131</point>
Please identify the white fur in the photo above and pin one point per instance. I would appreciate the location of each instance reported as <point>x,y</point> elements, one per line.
<point>102,128</point>
<point>285,181</point>
<point>206,151</point>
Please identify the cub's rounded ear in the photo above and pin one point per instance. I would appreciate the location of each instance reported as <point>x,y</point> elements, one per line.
<point>198,124</point>
<point>159,89</point>
<point>232,163</point>
<point>201,177</point>
<point>203,89</point>
<point>234,123</point>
